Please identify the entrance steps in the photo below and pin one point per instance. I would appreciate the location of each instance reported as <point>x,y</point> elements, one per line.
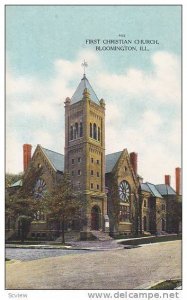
<point>162,233</point>
<point>101,235</point>
<point>70,236</point>
<point>73,236</point>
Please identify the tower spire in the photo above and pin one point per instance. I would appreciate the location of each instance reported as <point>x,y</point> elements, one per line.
<point>84,65</point>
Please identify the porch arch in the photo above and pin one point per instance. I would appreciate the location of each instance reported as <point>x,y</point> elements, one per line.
<point>95,217</point>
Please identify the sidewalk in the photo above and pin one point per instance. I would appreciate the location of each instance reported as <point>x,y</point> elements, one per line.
<point>87,245</point>
<point>75,245</point>
<point>97,245</point>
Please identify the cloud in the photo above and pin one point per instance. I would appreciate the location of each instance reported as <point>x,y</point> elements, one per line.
<point>14,161</point>
<point>18,85</point>
<point>162,83</point>
<point>43,137</point>
<point>113,114</point>
<point>142,110</point>
<point>68,70</point>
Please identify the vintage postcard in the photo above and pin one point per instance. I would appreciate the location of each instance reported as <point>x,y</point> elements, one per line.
<point>93,199</point>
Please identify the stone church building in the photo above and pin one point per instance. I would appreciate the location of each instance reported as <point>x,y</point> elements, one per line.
<point>117,200</point>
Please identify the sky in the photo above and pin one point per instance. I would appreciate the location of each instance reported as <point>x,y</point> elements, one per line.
<point>45,47</point>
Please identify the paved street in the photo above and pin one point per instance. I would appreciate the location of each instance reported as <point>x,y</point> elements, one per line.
<point>32,254</point>
<point>115,269</point>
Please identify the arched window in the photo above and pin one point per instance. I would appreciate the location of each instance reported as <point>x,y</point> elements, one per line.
<point>42,216</point>
<point>81,129</point>
<point>124,191</point>
<point>74,133</point>
<point>95,131</point>
<point>40,189</point>
<point>71,133</point>
<point>39,215</point>
<point>91,130</point>
<point>99,134</point>
<point>76,130</point>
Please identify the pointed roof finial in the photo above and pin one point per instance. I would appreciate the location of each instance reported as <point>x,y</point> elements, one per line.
<point>84,65</point>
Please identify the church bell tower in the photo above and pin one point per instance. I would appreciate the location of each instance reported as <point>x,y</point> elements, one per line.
<point>85,152</point>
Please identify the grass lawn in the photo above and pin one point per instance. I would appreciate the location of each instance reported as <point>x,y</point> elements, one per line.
<point>152,239</point>
<point>167,285</point>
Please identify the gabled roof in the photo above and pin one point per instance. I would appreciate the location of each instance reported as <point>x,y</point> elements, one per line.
<point>145,187</point>
<point>111,160</point>
<point>78,95</point>
<point>165,189</point>
<point>151,188</point>
<point>55,158</point>
<point>17,183</point>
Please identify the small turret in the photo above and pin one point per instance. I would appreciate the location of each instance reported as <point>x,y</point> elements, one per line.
<point>102,102</point>
<point>86,94</point>
<point>67,101</point>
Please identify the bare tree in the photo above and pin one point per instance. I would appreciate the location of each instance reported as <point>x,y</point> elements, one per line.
<point>61,204</point>
<point>113,203</point>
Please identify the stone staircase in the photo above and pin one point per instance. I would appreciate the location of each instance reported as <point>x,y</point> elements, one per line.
<point>73,236</point>
<point>70,236</point>
<point>101,236</point>
<point>162,233</point>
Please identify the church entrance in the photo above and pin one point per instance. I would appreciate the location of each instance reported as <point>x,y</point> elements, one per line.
<point>163,225</point>
<point>95,217</point>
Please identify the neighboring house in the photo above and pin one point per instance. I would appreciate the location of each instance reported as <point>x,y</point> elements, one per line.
<point>173,208</point>
<point>153,209</point>
<point>10,225</point>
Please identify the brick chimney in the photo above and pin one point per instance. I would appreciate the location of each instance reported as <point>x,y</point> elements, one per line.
<point>134,161</point>
<point>26,156</point>
<point>178,180</point>
<point>168,179</point>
